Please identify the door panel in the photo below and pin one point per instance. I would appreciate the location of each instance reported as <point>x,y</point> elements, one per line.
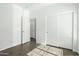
<point>65,30</point>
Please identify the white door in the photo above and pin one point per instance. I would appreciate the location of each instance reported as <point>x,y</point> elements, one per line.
<point>25,27</point>
<point>52,30</point>
<point>64,30</point>
<point>59,28</point>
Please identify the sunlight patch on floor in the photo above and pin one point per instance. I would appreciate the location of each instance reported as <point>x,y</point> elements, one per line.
<point>42,50</point>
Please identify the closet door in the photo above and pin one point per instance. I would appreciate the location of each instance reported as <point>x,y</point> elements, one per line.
<point>64,30</point>
<point>59,30</point>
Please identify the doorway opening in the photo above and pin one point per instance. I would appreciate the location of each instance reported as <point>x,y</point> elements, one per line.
<point>33,29</point>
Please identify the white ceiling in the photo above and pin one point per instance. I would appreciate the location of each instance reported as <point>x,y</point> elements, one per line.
<point>32,6</point>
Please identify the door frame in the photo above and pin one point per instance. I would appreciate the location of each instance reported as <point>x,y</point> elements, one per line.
<point>21,29</point>
<point>24,11</point>
<point>46,31</point>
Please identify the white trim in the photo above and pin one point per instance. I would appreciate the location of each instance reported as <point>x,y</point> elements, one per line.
<point>45,30</point>
<point>70,11</point>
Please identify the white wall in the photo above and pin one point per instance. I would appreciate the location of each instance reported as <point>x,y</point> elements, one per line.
<point>51,10</point>
<point>5,26</point>
<point>78,28</point>
<point>10,25</point>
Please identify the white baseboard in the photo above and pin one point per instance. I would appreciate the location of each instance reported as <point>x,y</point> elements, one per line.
<point>78,52</point>
<point>6,47</point>
<point>75,50</point>
<point>41,43</point>
<point>11,46</point>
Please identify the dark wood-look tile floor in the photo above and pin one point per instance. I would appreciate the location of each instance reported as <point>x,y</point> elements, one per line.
<point>67,52</point>
<point>23,49</point>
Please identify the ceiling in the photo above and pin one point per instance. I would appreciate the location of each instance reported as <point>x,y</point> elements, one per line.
<point>33,6</point>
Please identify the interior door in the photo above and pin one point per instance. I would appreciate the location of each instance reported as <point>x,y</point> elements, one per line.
<point>64,22</point>
<point>25,25</point>
<point>52,30</point>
